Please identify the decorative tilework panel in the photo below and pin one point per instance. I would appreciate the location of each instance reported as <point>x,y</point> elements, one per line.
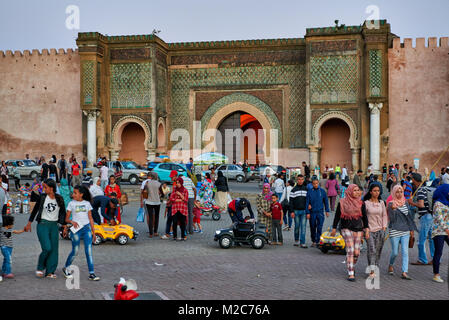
<point>130,85</point>
<point>88,68</point>
<point>333,79</point>
<point>375,73</point>
<point>99,83</point>
<point>183,80</point>
<point>161,90</point>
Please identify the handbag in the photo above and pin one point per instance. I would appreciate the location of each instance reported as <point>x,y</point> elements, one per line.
<point>411,242</point>
<point>124,199</point>
<point>140,215</point>
<point>145,192</point>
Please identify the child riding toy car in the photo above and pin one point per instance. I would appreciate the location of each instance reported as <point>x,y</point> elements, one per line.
<point>243,230</point>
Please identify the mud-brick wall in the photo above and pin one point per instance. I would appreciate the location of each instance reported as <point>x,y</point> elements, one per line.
<point>40,103</point>
<point>419,101</point>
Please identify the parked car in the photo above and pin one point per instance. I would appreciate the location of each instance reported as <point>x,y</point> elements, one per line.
<point>26,168</point>
<point>131,171</point>
<point>231,171</point>
<point>163,170</point>
<point>276,168</point>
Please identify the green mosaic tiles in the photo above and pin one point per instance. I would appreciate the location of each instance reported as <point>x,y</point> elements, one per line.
<point>334,79</point>
<point>375,73</point>
<point>183,80</point>
<point>130,85</point>
<point>161,90</point>
<point>88,69</point>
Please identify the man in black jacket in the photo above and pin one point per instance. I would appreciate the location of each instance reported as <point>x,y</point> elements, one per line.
<point>297,200</point>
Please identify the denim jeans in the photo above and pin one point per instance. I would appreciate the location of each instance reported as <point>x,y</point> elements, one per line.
<point>404,250</point>
<point>425,232</point>
<point>7,253</point>
<point>287,218</point>
<point>300,226</point>
<point>85,233</point>
<point>439,245</point>
<point>316,226</point>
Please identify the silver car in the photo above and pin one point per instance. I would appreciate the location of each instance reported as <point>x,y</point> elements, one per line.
<point>232,171</point>
<point>132,172</point>
<point>26,168</point>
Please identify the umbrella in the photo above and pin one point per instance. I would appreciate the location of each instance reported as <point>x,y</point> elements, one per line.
<point>210,157</point>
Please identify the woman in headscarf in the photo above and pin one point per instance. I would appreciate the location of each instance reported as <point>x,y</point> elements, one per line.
<point>263,208</point>
<point>401,229</point>
<point>206,192</point>
<point>378,222</point>
<point>95,189</point>
<point>179,199</point>
<point>66,191</point>
<point>352,222</point>
<point>440,231</point>
<point>221,198</point>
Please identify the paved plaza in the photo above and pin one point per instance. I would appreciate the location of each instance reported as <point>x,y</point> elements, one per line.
<point>199,269</point>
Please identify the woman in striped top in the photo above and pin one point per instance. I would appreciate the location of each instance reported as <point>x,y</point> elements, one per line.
<point>401,228</point>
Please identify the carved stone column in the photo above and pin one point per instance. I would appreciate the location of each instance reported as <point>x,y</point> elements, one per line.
<point>91,136</point>
<point>375,134</point>
<point>313,156</point>
<point>355,159</point>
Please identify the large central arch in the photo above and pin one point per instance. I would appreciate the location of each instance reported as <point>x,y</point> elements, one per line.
<point>116,136</point>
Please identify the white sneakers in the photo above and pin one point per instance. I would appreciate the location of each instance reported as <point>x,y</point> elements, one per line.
<point>438,279</point>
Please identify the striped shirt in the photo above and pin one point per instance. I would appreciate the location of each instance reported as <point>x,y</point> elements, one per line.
<point>396,233</point>
<point>421,194</point>
<point>188,184</point>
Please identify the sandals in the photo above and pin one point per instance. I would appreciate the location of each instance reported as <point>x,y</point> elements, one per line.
<point>51,276</point>
<point>405,277</point>
<point>39,274</point>
<point>390,271</point>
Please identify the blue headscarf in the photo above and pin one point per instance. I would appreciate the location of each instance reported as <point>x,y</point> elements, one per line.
<point>441,194</point>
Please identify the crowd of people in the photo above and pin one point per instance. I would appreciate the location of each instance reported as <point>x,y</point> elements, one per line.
<point>67,196</point>
<point>361,212</point>
<point>76,201</point>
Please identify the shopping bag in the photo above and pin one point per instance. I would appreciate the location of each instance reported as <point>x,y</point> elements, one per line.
<point>229,198</point>
<point>140,215</point>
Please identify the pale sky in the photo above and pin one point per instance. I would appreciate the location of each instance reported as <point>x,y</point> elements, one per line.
<point>39,24</point>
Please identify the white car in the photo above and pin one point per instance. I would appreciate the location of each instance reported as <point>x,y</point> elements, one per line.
<point>27,168</point>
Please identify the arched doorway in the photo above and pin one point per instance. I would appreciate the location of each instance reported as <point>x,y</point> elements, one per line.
<point>133,143</point>
<point>335,145</point>
<point>252,146</point>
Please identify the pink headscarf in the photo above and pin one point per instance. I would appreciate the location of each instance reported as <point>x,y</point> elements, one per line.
<point>269,193</point>
<point>398,202</point>
<point>350,206</point>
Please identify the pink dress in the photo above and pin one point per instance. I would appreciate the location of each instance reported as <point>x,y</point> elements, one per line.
<point>331,186</point>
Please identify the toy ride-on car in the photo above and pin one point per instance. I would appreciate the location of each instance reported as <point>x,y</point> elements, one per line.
<point>120,233</point>
<point>327,242</point>
<point>254,234</point>
<point>214,210</point>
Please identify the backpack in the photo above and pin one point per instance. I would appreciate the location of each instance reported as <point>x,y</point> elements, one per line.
<point>430,192</point>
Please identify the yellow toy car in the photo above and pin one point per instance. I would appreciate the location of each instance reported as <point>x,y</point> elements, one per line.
<point>120,233</point>
<point>327,242</point>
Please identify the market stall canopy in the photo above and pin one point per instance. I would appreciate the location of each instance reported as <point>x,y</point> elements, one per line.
<point>210,158</point>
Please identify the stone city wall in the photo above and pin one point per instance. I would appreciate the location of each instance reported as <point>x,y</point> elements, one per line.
<point>419,101</point>
<point>40,103</point>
